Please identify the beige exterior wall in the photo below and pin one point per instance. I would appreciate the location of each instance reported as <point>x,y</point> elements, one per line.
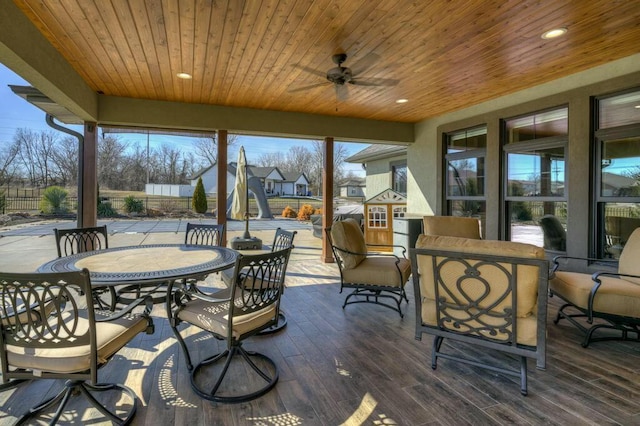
<point>425,156</point>
<point>378,177</point>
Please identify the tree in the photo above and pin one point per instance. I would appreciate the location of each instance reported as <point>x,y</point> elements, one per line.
<point>111,155</point>
<point>199,200</point>
<point>8,163</point>
<point>206,149</point>
<point>36,154</point>
<point>272,159</point>
<point>65,161</point>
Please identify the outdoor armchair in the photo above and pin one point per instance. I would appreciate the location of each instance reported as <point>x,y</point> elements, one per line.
<point>71,341</point>
<point>607,299</point>
<point>376,278</point>
<point>249,305</point>
<point>492,294</point>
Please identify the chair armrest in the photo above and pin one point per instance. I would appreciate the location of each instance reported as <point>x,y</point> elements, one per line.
<point>556,264</point>
<point>111,315</point>
<point>127,310</point>
<point>369,254</point>
<point>404,250</point>
<point>596,286</point>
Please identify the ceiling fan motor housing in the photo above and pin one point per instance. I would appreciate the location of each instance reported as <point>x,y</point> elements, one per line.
<point>339,75</point>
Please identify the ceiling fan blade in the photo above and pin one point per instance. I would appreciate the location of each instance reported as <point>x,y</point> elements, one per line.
<point>342,92</point>
<point>310,70</point>
<point>375,82</point>
<point>309,87</point>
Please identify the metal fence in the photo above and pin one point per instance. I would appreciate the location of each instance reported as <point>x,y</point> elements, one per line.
<point>164,204</point>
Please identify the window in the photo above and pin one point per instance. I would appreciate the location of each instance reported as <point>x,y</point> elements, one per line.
<point>377,216</point>
<point>617,147</point>
<point>399,211</point>
<point>465,173</point>
<point>399,177</point>
<point>534,175</point>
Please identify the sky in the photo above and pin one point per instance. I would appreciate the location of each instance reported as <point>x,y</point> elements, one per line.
<point>16,113</point>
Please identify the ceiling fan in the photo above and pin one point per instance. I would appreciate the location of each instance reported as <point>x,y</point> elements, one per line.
<point>340,76</point>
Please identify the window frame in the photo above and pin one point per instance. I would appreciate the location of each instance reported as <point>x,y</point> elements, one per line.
<point>549,142</point>
<point>469,154</point>
<point>598,233</point>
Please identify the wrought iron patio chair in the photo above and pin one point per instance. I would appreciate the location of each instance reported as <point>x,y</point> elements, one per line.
<point>79,240</point>
<point>492,294</point>
<point>611,296</point>
<point>71,342</point>
<point>374,277</point>
<point>249,305</point>
<point>204,234</point>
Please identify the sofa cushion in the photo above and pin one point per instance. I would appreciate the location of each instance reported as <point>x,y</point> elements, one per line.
<point>347,235</point>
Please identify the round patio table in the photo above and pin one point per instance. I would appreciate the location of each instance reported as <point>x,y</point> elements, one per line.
<point>146,269</point>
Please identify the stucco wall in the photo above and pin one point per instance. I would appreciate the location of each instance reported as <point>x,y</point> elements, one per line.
<point>379,175</point>
<point>424,158</point>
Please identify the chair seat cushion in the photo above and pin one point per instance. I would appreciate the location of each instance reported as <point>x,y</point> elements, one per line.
<point>214,316</point>
<point>111,337</point>
<point>615,296</point>
<point>527,328</point>
<point>379,271</point>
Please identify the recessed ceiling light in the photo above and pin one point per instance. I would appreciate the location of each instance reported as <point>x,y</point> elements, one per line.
<point>402,101</point>
<point>184,76</point>
<point>556,32</point>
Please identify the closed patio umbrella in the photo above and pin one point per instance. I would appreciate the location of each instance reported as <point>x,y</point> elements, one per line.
<point>240,203</point>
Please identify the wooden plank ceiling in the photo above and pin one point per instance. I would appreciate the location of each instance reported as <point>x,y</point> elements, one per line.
<point>440,55</point>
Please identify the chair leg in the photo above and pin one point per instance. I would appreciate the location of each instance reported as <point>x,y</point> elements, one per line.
<point>269,374</point>
<point>437,342</point>
<point>76,387</point>
<point>377,297</point>
<point>523,375</point>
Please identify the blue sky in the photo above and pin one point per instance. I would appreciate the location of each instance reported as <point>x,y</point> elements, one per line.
<point>17,113</point>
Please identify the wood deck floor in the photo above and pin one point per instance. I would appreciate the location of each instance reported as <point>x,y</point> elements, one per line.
<point>362,365</point>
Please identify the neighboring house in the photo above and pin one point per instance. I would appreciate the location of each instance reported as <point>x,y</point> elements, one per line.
<point>269,176</point>
<point>294,183</point>
<point>352,187</point>
<point>209,177</point>
<point>386,167</point>
<point>273,181</point>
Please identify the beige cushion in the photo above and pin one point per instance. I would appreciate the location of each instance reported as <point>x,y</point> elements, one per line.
<point>111,337</point>
<point>452,226</point>
<point>214,317</point>
<point>527,285</point>
<point>526,327</point>
<point>615,296</point>
<point>629,262</point>
<point>347,235</point>
<point>379,271</point>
